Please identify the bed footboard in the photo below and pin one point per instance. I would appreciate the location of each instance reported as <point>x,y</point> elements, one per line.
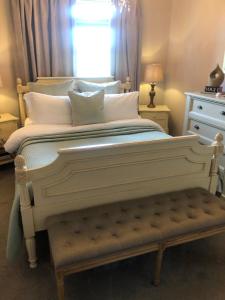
<point>89,176</point>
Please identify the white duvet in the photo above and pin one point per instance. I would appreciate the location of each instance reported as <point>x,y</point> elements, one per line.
<point>32,130</point>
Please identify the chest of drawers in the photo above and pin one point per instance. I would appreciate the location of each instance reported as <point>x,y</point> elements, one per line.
<point>205,116</point>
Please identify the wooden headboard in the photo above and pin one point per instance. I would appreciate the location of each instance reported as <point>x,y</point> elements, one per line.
<point>23,89</point>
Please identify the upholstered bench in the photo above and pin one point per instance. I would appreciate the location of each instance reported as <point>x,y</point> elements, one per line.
<point>96,236</point>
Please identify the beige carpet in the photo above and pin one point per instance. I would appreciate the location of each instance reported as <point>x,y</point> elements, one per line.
<point>192,271</point>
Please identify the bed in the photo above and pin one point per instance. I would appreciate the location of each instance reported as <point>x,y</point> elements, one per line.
<point>66,170</point>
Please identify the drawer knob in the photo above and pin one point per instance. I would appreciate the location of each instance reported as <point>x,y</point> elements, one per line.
<point>200,107</point>
<point>197,127</point>
<point>223,113</point>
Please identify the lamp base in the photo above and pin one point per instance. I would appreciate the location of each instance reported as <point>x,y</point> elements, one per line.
<point>152,95</point>
<point>151,105</point>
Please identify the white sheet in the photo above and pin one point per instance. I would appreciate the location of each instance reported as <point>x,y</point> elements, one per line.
<point>32,130</point>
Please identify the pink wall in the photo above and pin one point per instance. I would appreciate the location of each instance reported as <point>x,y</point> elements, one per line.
<point>196,45</point>
<point>155,24</point>
<point>8,100</point>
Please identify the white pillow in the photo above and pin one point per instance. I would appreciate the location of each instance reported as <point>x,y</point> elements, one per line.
<point>121,106</point>
<point>46,109</point>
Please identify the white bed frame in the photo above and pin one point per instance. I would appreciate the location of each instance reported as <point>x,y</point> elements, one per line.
<point>93,175</point>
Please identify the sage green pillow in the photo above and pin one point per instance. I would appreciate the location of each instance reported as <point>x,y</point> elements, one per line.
<point>87,108</point>
<point>54,89</point>
<point>113,87</point>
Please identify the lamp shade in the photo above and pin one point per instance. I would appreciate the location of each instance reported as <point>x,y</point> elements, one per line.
<point>1,83</point>
<point>154,73</point>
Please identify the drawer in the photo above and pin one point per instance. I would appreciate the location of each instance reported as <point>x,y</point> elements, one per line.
<point>162,123</point>
<point>206,132</point>
<point>212,110</point>
<point>161,119</point>
<point>154,115</point>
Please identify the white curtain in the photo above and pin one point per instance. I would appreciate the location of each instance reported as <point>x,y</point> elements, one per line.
<point>126,41</point>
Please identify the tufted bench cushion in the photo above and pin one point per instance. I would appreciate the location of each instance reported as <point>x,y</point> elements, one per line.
<point>91,233</point>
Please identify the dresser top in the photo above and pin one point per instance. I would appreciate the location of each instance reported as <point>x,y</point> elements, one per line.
<point>206,96</point>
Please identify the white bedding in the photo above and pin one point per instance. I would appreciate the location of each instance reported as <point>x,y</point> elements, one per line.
<point>32,130</point>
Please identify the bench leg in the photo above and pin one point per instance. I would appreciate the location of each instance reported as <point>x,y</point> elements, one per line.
<point>60,285</point>
<point>31,251</point>
<point>158,266</point>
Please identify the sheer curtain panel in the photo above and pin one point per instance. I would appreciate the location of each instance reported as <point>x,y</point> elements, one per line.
<point>43,37</point>
<point>126,41</point>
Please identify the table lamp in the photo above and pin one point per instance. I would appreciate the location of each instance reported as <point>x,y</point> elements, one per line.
<point>153,75</point>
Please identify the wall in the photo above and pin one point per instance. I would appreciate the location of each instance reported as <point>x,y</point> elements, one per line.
<point>196,45</point>
<point>8,101</point>
<point>155,25</point>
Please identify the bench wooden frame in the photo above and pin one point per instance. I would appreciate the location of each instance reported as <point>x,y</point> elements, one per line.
<point>160,247</point>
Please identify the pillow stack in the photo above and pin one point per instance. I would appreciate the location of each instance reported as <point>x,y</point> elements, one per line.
<point>94,103</point>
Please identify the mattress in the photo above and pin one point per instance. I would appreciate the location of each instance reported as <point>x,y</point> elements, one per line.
<point>38,155</point>
<point>39,144</point>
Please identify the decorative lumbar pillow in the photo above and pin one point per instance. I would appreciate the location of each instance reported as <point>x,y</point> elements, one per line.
<point>87,108</point>
<point>113,87</point>
<point>121,106</point>
<point>54,89</point>
<point>46,109</point>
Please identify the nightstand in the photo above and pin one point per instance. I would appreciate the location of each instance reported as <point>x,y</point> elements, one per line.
<point>158,114</point>
<point>8,124</point>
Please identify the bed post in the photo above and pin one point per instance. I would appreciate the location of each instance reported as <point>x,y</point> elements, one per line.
<point>26,209</point>
<point>127,85</point>
<point>218,151</point>
<point>20,91</point>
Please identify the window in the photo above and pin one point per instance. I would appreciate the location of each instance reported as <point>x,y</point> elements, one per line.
<point>92,38</point>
